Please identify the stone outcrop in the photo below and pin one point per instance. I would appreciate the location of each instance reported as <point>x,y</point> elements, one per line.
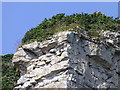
<point>70,60</point>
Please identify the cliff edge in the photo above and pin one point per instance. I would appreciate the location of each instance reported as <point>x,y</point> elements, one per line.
<point>70,60</point>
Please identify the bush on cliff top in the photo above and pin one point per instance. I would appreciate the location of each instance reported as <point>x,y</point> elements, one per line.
<point>89,22</point>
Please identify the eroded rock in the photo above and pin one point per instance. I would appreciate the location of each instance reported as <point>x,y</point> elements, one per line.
<point>69,61</point>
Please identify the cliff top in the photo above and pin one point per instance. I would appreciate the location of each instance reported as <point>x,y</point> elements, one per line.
<point>92,23</point>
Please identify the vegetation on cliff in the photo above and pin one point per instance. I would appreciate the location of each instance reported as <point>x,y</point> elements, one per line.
<point>92,23</point>
<point>9,73</point>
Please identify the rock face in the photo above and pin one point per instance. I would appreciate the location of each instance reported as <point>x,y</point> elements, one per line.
<point>70,60</point>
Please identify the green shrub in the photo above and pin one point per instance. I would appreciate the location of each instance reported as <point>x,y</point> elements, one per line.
<point>9,74</point>
<point>60,22</point>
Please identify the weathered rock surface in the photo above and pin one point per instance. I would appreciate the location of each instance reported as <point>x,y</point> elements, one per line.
<point>70,60</point>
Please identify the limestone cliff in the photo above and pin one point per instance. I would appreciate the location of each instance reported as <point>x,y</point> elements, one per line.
<point>70,60</point>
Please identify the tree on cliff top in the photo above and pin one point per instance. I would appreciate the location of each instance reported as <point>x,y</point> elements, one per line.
<point>89,22</point>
